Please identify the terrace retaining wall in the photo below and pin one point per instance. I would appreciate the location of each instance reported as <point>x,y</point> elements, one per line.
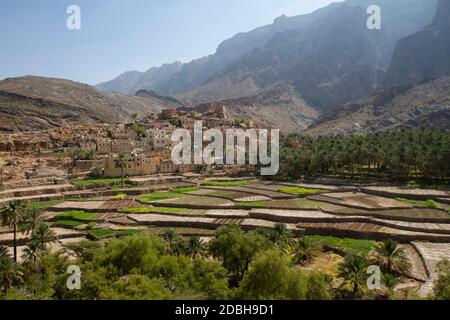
<point>389,194</point>
<point>371,235</point>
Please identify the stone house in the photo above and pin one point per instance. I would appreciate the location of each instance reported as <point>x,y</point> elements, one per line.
<point>88,146</point>
<point>187,123</point>
<point>136,165</point>
<point>103,146</point>
<point>121,146</point>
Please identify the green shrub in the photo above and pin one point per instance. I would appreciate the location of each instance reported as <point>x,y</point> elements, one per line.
<point>227,183</point>
<point>301,191</point>
<point>67,223</point>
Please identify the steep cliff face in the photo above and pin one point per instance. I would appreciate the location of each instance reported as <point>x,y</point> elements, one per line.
<point>329,56</point>
<point>425,104</point>
<point>425,54</point>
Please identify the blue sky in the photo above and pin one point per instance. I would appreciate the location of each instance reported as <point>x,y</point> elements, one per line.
<point>122,35</point>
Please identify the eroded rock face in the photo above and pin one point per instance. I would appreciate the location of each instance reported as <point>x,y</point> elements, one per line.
<point>427,104</point>
<point>425,54</point>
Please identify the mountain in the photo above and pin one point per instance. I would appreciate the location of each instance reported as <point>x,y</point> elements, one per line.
<point>132,81</point>
<point>277,106</point>
<point>405,106</point>
<point>329,56</point>
<point>425,54</point>
<point>34,103</point>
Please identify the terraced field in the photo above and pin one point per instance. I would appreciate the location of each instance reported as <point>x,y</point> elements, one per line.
<point>194,201</point>
<point>361,201</point>
<point>411,214</point>
<point>290,204</point>
<point>347,219</point>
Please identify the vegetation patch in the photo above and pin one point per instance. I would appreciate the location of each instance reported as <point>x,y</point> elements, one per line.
<point>43,204</point>
<point>184,231</point>
<point>125,186</point>
<point>355,246</point>
<point>168,210</point>
<point>77,215</point>
<point>90,182</point>
<point>421,204</point>
<point>91,225</point>
<point>160,196</point>
<point>67,224</point>
<point>227,183</point>
<point>108,233</point>
<point>120,196</point>
<point>301,191</point>
<point>301,203</point>
<point>186,189</point>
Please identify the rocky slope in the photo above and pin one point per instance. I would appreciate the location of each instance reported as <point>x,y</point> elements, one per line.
<point>406,106</point>
<point>425,54</point>
<point>329,56</point>
<point>278,106</point>
<point>34,103</point>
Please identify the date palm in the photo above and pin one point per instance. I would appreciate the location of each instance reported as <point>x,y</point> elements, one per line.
<point>196,247</point>
<point>4,252</point>
<point>304,249</point>
<point>172,238</point>
<point>43,235</point>
<point>352,270</point>
<point>11,216</point>
<point>391,258</point>
<point>32,255</point>
<point>120,162</point>
<point>30,220</point>
<point>10,271</point>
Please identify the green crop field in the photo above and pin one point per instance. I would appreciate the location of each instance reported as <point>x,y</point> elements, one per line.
<point>78,215</point>
<point>160,196</point>
<point>355,246</point>
<point>226,183</point>
<point>301,191</point>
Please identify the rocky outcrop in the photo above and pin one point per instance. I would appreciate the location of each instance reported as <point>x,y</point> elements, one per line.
<point>426,104</point>
<point>425,54</point>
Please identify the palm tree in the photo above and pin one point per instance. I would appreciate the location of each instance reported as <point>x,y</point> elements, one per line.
<point>391,258</point>
<point>11,216</point>
<point>4,252</point>
<point>120,162</point>
<point>304,249</point>
<point>196,247</point>
<point>352,270</point>
<point>177,245</point>
<point>10,271</point>
<point>32,255</point>
<point>43,235</point>
<point>390,282</point>
<point>30,220</point>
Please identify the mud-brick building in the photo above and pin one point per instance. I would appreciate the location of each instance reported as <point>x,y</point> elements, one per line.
<point>187,122</point>
<point>88,146</point>
<point>136,165</point>
<point>103,146</point>
<point>121,146</point>
<point>122,133</point>
<point>169,113</point>
<point>167,166</point>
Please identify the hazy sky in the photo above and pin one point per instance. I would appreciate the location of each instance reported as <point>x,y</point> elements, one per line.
<point>121,35</point>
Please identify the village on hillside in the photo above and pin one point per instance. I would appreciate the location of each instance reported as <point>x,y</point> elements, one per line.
<point>76,151</point>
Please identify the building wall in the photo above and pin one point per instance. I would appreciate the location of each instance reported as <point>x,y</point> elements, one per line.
<point>136,165</point>
<point>121,146</point>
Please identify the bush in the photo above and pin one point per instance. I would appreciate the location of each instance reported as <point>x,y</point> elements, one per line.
<point>96,173</point>
<point>442,284</point>
<point>270,278</point>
